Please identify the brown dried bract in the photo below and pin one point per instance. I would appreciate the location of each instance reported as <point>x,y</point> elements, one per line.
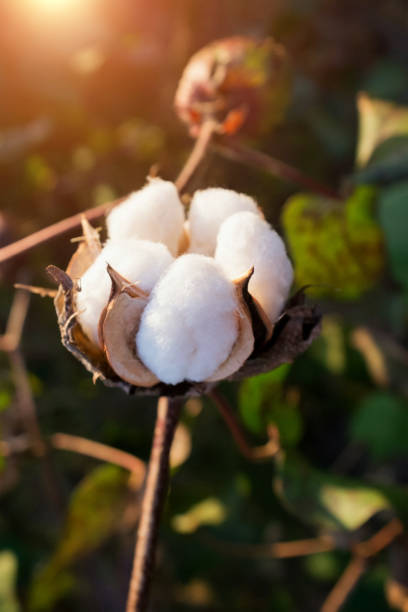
<point>119,325</point>
<point>244,344</point>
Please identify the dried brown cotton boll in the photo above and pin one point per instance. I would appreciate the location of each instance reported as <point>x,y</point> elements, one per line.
<point>240,82</point>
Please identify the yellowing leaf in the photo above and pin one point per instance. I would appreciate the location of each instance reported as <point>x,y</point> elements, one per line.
<point>8,573</point>
<point>337,246</point>
<point>379,120</point>
<point>210,511</point>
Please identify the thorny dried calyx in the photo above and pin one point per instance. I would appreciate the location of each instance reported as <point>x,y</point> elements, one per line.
<point>171,306</point>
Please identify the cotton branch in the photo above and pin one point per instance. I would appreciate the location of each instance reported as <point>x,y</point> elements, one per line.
<point>254,453</point>
<point>362,553</point>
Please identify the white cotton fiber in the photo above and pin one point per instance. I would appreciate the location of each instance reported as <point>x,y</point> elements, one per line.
<point>209,208</point>
<point>139,261</point>
<point>246,240</point>
<point>153,213</point>
<point>189,326</point>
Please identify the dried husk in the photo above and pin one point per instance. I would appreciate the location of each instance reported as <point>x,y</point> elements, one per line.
<point>293,333</point>
<point>72,335</point>
<point>244,344</point>
<point>119,325</point>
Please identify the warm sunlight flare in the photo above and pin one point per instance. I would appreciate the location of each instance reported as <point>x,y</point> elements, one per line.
<point>55,6</point>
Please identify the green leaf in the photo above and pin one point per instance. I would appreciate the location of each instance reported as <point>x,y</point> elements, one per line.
<point>209,511</point>
<point>5,399</point>
<point>388,163</point>
<point>393,212</point>
<point>328,502</point>
<point>263,400</point>
<point>95,512</point>
<point>335,245</point>
<point>379,120</point>
<point>8,575</point>
<point>381,422</point>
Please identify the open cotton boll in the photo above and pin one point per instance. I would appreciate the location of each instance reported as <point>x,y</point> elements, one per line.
<point>153,213</point>
<point>209,208</point>
<point>139,261</point>
<point>246,240</point>
<point>188,327</point>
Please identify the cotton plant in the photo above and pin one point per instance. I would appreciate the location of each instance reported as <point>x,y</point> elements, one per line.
<point>174,300</point>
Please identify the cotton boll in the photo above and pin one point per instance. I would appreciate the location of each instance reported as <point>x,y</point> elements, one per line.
<point>246,240</point>
<point>189,326</point>
<point>153,213</point>
<point>139,261</point>
<point>209,208</point>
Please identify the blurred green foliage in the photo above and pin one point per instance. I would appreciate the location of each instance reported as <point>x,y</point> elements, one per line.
<point>95,512</point>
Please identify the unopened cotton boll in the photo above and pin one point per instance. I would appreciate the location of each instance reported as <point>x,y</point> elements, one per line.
<point>189,327</point>
<point>209,208</point>
<point>245,241</point>
<point>139,261</point>
<point>153,213</point>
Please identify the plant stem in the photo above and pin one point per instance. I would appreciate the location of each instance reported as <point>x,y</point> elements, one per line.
<point>168,411</point>
<point>254,453</point>
<point>233,149</point>
<point>197,154</point>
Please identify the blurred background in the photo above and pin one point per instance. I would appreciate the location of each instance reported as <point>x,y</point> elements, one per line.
<point>86,109</point>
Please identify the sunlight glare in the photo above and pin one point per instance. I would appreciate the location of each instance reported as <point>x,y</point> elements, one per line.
<point>55,5</point>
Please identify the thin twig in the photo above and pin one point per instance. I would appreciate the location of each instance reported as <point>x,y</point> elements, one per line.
<point>254,453</point>
<point>197,154</point>
<point>53,231</point>
<point>233,149</point>
<point>380,540</point>
<point>345,585</point>
<point>97,450</point>
<point>168,411</point>
<point>362,552</point>
<point>10,343</point>
<point>72,223</point>
<point>275,550</point>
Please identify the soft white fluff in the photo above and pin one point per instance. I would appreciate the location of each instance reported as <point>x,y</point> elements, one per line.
<point>209,208</point>
<point>189,326</point>
<point>139,261</point>
<point>246,240</point>
<point>153,213</point>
